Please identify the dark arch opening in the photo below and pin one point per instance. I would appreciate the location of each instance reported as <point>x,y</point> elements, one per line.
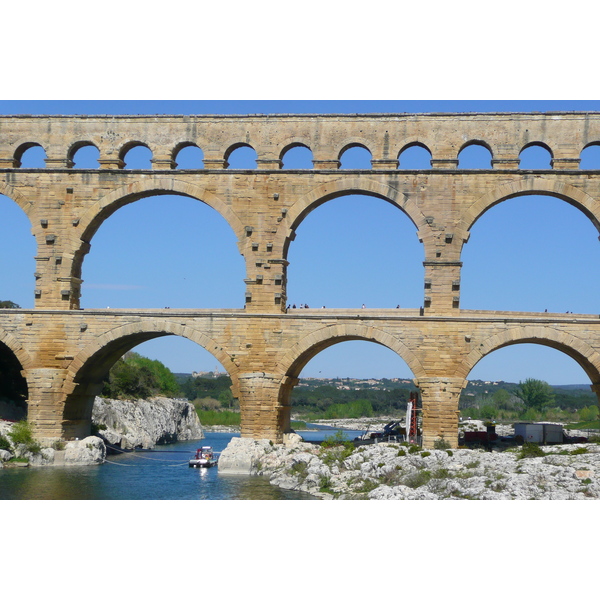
<point>13,386</point>
<point>18,250</point>
<point>531,253</point>
<point>353,250</point>
<point>164,251</point>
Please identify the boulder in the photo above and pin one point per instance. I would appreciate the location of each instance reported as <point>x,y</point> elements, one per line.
<point>243,456</point>
<point>89,451</point>
<point>129,424</point>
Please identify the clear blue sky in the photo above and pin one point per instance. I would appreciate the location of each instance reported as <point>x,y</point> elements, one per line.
<point>541,264</point>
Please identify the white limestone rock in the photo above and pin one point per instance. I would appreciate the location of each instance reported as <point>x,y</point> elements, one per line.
<point>130,424</point>
<point>243,456</point>
<point>89,451</point>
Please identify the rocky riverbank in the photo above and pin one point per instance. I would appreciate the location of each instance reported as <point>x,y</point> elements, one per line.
<point>121,424</point>
<point>88,451</point>
<point>130,424</point>
<point>402,472</point>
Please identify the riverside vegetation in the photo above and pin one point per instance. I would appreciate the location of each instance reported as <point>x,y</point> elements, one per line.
<point>135,376</point>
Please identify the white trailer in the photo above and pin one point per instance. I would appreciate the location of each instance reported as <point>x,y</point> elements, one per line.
<point>540,433</point>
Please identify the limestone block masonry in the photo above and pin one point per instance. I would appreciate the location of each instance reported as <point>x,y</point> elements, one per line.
<point>64,350</point>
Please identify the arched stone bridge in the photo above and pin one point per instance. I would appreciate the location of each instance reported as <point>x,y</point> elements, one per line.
<point>64,351</point>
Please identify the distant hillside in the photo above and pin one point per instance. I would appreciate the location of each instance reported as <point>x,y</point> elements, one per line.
<point>385,395</point>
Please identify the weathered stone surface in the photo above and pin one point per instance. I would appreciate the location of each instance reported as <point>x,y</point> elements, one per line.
<point>62,348</point>
<point>146,423</point>
<point>242,456</point>
<point>89,451</point>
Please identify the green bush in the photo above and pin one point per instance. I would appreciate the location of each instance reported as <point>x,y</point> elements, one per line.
<point>337,439</point>
<point>22,433</point>
<point>415,480</point>
<point>531,450</point>
<point>135,376</point>
<point>441,444</point>
<point>4,443</point>
<point>441,473</point>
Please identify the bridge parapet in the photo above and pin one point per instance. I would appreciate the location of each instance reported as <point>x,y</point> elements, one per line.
<point>327,136</point>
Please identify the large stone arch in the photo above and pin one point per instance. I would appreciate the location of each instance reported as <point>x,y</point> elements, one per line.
<point>291,364</point>
<point>83,378</point>
<point>586,356</point>
<point>93,217</point>
<point>25,205</point>
<point>129,336</point>
<point>101,210</point>
<point>16,379</point>
<point>17,349</point>
<point>344,187</point>
<point>529,186</point>
<point>294,360</point>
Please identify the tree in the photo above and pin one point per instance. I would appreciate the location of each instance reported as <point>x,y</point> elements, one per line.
<point>535,393</point>
<point>502,399</point>
<point>135,376</point>
<point>8,304</point>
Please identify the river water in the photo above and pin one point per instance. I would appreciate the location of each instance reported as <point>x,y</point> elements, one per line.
<point>159,474</point>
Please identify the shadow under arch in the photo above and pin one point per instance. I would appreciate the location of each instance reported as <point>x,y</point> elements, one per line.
<point>529,186</point>
<point>17,349</point>
<point>85,374</point>
<point>14,360</point>
<point>585,356</point>
<point>344,187</point>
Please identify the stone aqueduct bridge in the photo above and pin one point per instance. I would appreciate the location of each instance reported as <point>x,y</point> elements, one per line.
<point>64,351</point>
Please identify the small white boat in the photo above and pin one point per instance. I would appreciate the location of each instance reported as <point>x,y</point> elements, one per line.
<point>204,458</point>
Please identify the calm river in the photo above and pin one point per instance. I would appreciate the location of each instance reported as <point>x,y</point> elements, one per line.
<point>159,474</point>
